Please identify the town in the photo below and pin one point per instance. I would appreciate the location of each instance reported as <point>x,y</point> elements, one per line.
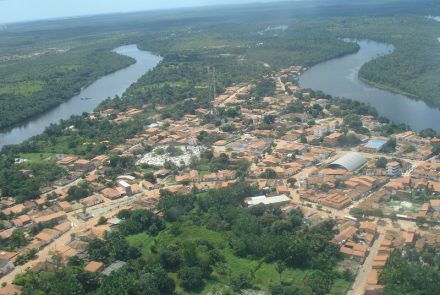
<point>327,157</point>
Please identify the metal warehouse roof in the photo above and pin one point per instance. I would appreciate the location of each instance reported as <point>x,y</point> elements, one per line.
<point>375,143</point>
<point>350,161</point>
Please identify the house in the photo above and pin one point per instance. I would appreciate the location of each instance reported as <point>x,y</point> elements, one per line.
<point>162,173</point>
<point>7,260</point>
<point>94,266</point>
<point>410,238</point>
<point>6,234</point>
<point>135,189</point>
<point>380,261</point>
<point>63,228</point>
<point>344,235</point>
<point>69,160</point>
<point>6,266</point>
<point>17,209</point>
<point>368,227</point>
<point>91,201</point>
<point>435,204</point>
<point>56,217</point>
<point>111,193</point>
<point>65,206</point>
<point>336,201</point>
<point>333,139</point>
<point>147,185</point>
<point>47,235</point>
<point>82,165</point>
<point>354,250</point>
<point>22,220</point>
<point>100,159</point>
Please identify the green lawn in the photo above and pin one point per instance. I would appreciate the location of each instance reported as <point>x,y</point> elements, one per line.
<point>265,273</point>
<point>142,241</point>
<point>37,157</point>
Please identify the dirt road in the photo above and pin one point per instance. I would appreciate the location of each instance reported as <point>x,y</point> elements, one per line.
<point>361,280</point>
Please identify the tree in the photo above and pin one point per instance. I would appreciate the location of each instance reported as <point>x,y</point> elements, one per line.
<point>265,88</point>
<point>280,289</point>
<point>436,149</point>
<point>420,220</point>
<point>390,146</point>
<point>381,162</point>
<point>102,220</point>
<point>319,281</point>
<point>98,250</point>
<point>428,133</point>
<point>78,192</point>
<point>17,239</point>
<point>240,282</point>
<point>170,259</point>
<point>269,174</point>
<point>117,245</point>
<point>269,119</point>
<point>149,176</point>
<point>191,278</point>
<point>292,181</point>
<point>280,267</point>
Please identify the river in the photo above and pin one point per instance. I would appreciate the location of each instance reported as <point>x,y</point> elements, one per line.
<point>103,88</point>
<point>339,77</point>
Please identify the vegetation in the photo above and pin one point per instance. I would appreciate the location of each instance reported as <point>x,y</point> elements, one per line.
<point>33,85</point>
<point>404,274</point>
<point>210,243</point>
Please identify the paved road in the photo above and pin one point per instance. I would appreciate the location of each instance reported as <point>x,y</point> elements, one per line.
<point>361,280</point>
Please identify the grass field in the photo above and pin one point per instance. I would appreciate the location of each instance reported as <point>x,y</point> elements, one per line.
<point>37,157</point>
<point>264,273</point>
<point>22,88</point>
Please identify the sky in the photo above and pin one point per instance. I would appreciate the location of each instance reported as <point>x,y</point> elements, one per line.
<point>26,10</point>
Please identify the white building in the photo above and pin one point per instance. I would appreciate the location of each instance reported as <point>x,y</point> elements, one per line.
<point>393,169</point>
<point>320,131</point>
<point>276,201</point>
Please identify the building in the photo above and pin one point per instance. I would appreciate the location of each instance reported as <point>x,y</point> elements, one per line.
<point>393,169</point>
<point>435,205</point>
<point>6,266</point>
<point>373,146</point>
<point>368,227</point>
<point>111,194</point>
<point>276,201</point>
<point>336,201</point>
<point>82,165</point>
<point>7,262</point>
<point>117,265</point>
<point>56,217</point>
<point>351,162</point>
<point>125,186</point>
<point>320,131</point>
<point>94,266</point>
<point>91,201</point>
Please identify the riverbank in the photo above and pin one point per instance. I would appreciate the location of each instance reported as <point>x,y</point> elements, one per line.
<point>340,78</point>
<point>110,85</point>
<point>31,87</point>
